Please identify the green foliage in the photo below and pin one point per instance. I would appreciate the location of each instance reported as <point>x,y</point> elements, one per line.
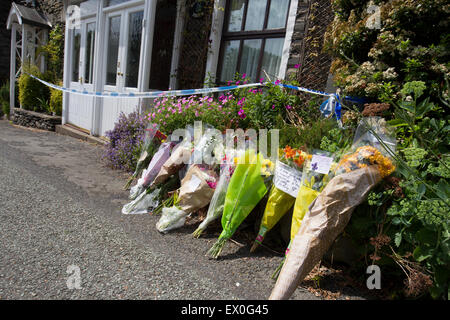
<point>308,137</point>
<point>56,99</point>
<point>413,209</point>
<point>4,98</point>
<point>411,45</point>
<point>54,51</point>
<point>31,91</point>
<point>268,107</point>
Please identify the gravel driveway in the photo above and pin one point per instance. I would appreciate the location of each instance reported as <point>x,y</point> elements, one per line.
<point>60,207</point>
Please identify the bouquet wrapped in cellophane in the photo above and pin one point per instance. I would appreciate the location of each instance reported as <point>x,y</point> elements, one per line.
<point>152,197</point>
<point>217,204</point>
<point>152,140</point>
<point>196,191</point>
<point>178,159</point>
<point>287,179</point>
<point>316,175</point>
<point>355,176</point>
<point>198,184</point>
<point>248,185</point>
<point>149,174</point>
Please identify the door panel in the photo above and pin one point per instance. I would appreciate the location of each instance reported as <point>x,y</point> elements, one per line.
<point>122,56</point>
<point>80,107</point>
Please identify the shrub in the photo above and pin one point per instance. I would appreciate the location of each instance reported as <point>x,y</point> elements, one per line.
<point>31,91</point>
<point>56,99</point>
<point>4,98</point>
<point>54,52</point>
<point>125,142</point>
<point>406,218</point>
<point>255,108</point>
<point>413,44</point>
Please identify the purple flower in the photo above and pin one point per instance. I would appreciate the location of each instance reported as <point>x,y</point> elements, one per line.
<point>297,66</point>
<point>288,107</point>
<point>241,113</point>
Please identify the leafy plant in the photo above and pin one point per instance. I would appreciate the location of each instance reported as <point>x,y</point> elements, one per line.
<point>4,98</point>
<point>125,142</point>
<point>31,91</point>
<point>56,100</point>
<point>411,211</point>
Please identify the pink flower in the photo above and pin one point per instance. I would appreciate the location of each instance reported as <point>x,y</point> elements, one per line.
<point>261,80</point>
<point>238,82</point>
<point>273,106</point>
<point>212,184</point>
<point>288,107</point>
<point>277,82</point>
<point>241,113</point>
<point>244,76</point>
<point>297,66</point>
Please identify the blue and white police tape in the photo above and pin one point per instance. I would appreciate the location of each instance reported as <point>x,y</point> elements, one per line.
<point>150,94</point>
<point>330,107</point>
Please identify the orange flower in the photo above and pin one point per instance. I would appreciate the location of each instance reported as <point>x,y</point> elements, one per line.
<point>289,152</point>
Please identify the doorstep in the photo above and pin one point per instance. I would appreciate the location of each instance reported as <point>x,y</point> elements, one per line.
<point>75,133</point>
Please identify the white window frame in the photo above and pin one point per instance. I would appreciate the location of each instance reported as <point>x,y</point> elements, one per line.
<point>123,10</point>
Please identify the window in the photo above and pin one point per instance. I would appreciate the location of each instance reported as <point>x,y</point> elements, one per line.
<point>253,38</point>
<point>112,50</point>
<point>76,55</point>
<point>134,48</point>
<point>89,53</point>
<point>114,2</point>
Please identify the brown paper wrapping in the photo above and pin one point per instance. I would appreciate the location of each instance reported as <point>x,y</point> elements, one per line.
<point>326,218</point>
<point>190,199</point>
<point>177,160</point>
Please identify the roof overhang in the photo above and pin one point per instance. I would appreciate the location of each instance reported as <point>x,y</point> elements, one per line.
<point>24,15</point>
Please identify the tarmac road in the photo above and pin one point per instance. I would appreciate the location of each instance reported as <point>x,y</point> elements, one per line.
<point>60,207</point>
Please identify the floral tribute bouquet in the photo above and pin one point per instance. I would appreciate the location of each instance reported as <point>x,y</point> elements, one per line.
<point>217,204</point>
<point>152,140</point>
<point>248,185</point>
<point>287,179</point>
<point>178,159</point>
<point>316,175</point>
<point>148,175</point>
<point>196,191</point>
<point>355,176</point>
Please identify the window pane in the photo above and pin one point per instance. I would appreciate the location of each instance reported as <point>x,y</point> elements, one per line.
<point>236,14</point>
<point>76,55</point>
<point>255,15</point>
<point>89,59</point>
<point>134,49</point>
<point>272,56</point>
<point>114,2</point>
<point>250,58</point>
<point>112,50</point>
<point>229,64</point>
<point>277,14</point>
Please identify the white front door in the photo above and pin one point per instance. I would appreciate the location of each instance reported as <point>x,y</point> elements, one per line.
<point>80,107</point>
<point>122,58</point>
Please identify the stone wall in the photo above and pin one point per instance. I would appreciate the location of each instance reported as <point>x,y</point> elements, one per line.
<point>313,18</point>
<point>37,120</point>
<point>53,9</point>
<point>297,37</point>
